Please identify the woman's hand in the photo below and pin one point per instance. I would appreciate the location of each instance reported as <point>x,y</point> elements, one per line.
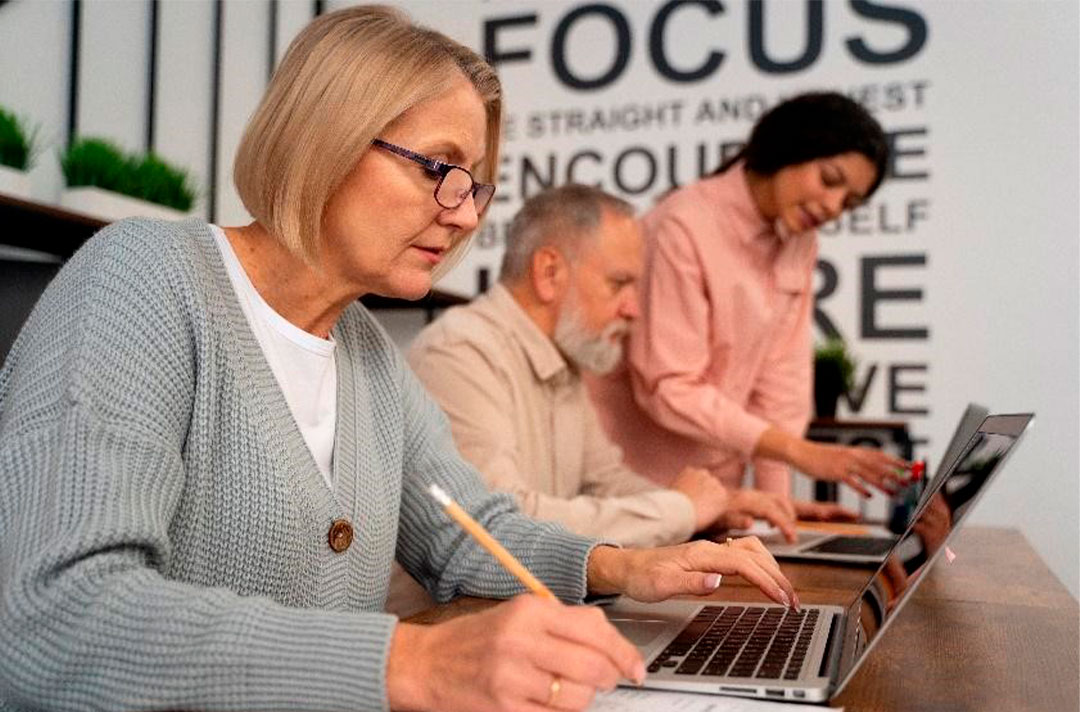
<point>823,512</point>
<point>857,467</point>
<point>692,568</point>
<point>526,654</point>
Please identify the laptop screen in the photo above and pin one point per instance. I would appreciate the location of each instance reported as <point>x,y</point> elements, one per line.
<point>956,490</point>
<point>973,417</point>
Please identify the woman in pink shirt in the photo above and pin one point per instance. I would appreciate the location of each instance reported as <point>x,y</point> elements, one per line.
<point>718,367</point>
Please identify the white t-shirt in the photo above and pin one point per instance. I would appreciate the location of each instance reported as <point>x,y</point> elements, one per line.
<point>303,364</point>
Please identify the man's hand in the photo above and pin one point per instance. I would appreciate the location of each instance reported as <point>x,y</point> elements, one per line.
<point>527,654</point>
<point>692,568</point>
<point>709,497</point>
<point>746,505</point>
<point>823,512</point>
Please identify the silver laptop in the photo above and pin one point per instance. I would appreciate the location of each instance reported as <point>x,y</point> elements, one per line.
<point>870,548</point>
<point>766,650</point>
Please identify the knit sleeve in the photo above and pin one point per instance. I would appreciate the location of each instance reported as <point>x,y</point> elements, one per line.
<point>95,403</point>
<point>89,621</point>
<point>444,558</point>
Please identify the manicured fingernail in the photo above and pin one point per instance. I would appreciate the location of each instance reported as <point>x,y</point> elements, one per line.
<point>639,674</point>
<point>712,581</point>
<point>785,599</point>
<point>798,603</point>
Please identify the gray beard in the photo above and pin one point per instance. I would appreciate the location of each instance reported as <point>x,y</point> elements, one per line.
<point>599,353</point>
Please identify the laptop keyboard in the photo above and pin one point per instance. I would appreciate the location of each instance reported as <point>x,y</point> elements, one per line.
<point>860,545</point>
<point>738,641</point>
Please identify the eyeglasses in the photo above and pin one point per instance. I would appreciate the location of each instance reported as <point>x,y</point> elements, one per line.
<point>455,183</point>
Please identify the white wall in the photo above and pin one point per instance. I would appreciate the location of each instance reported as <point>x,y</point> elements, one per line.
<point>34,58</point>
<point>185,63</point>
<point>986,239</point>
<point>1007,283</point>
<point>105,109</point>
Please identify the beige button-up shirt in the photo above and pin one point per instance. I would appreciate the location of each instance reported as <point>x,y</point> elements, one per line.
<point>520,413</point>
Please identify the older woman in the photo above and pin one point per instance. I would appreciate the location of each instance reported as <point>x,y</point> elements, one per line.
<point>211,453</point>
<point>718,368</point>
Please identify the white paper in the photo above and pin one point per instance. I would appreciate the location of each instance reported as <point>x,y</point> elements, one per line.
<point>628,699</point>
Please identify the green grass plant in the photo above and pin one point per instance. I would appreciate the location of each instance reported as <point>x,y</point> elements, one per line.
<point>16,142</point>
<point>96,162</point>
<point>100,163</point>
<point>159,182</point>
<point>834,355</point>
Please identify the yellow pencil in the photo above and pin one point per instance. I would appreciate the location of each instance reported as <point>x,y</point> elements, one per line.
<point>487,541</point>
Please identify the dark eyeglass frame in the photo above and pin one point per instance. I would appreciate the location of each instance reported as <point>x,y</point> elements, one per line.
<point>442,169</point>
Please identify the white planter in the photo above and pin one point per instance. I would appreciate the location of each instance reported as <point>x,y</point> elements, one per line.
<point>15,183</point>
<point>109,206</point>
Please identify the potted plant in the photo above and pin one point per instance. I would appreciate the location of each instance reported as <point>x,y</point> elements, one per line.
<point>104,181</point>
<point>16,155</point>
<point>834,374</point>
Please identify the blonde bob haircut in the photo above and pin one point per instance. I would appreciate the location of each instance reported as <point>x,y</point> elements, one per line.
<point>345,77</point>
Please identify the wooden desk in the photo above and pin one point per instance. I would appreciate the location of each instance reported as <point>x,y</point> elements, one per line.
<point>994,630</point>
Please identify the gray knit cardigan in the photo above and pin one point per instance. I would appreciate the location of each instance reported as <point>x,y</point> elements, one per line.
<point>163,526</point>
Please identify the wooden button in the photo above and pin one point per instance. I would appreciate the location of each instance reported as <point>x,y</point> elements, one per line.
<point>340,535</point>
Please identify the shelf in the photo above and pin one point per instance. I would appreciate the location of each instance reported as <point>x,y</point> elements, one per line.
<point>44,228</point>
<point>52,230</point>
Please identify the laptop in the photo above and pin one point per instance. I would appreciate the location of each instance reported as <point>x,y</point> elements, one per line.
<point>869,548</point>
<point>768,651</point>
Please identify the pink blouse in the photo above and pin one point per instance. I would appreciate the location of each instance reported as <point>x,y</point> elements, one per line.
<point>722,348</point>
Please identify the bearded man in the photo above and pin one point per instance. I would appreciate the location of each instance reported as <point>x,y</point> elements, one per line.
<point>506,369</point>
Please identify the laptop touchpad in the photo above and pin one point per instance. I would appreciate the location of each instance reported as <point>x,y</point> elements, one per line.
<point>641,631</point>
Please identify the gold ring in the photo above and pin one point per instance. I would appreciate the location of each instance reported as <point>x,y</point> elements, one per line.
<point>553,691</point>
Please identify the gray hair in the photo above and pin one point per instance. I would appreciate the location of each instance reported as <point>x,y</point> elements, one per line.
<point>562,217</point>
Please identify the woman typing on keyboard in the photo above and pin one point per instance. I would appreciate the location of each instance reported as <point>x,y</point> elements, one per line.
<point>212,453</point>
